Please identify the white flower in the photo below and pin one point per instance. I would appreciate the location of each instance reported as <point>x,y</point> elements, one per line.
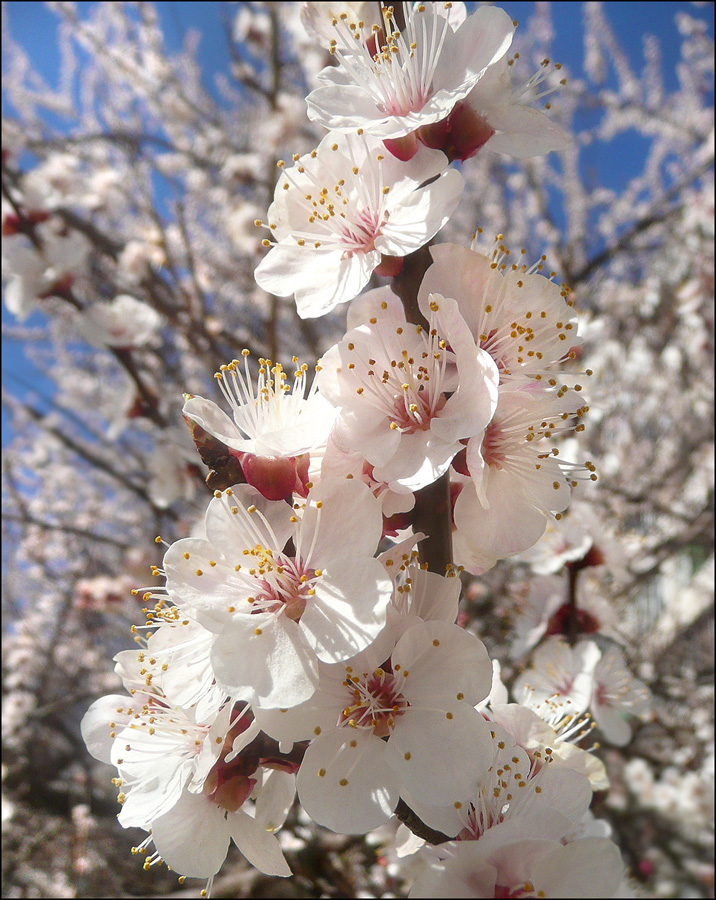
<point>344,206</point>
<point>194,836</point>
<point>158,748</point>
<point>616,694</point>
<point>515,479</point>
<point>173,468</point>
<point>318,18</point>
<point>32,272</point>
<point>276,611</point>
<point>517,315</point>
<point>546,731</point>
<point>493,116</point>
<point>409,396</point>
<point>123,322</point>
<point>579,539</point>
<point>542,609</point>
<point>183,779</point>
<point>421,701</point>
<point>560,675</point>
<point>415,77</point>
<point>274,427</point>
<point>519,798</point>
<point>512,829</point>
<point>591,867</point>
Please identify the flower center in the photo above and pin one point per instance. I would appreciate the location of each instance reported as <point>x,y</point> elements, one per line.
<point>493,448</point>
<point>360,234</point>
<point>408,383</point>
<point>399,75</point>
<point>286,585</point>
<point>375,701</point>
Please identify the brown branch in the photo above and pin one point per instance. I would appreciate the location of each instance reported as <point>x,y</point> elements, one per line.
<point>27,519</point>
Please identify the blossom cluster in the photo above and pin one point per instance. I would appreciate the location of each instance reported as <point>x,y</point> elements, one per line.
<point>301,643</point>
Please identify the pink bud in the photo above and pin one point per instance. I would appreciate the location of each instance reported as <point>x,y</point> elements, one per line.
<point>435,134</point>
<point>469,131</point>
<point>389,266</point>
<point>404,148</point>
<point>276,477</point>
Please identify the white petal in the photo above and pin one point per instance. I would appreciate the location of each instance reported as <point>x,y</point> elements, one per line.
<point>270,525</point>
<point>320,278</point>
<point>349,608</point>
<point>275,799</point>
<point>349,517</point>
<point>95,726</point>
<point>273,668</point>
<point>421,215</point>
<point>443,660</point>
<point>588,868</point>
<point>193,837</point>
<point>524,132</point>
<point>439,755</point>
<point>214,420</point>
<point>482,39</point>
<point>357,791</point>
<point>259,846</point>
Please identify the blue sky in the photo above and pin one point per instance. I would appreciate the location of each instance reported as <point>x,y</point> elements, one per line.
<point>33,26</point>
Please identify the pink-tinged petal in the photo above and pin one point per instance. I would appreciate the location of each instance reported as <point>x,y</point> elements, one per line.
<point>266,661</point>
<point>349,608</point>
<point>344,782</point>
<point>515,862</point>
<point>95,726</point>
<point>444,660</point>
<point>259,846</point>
<point>439,755</point>
<point>193,838</point>
<point>421,215</point>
